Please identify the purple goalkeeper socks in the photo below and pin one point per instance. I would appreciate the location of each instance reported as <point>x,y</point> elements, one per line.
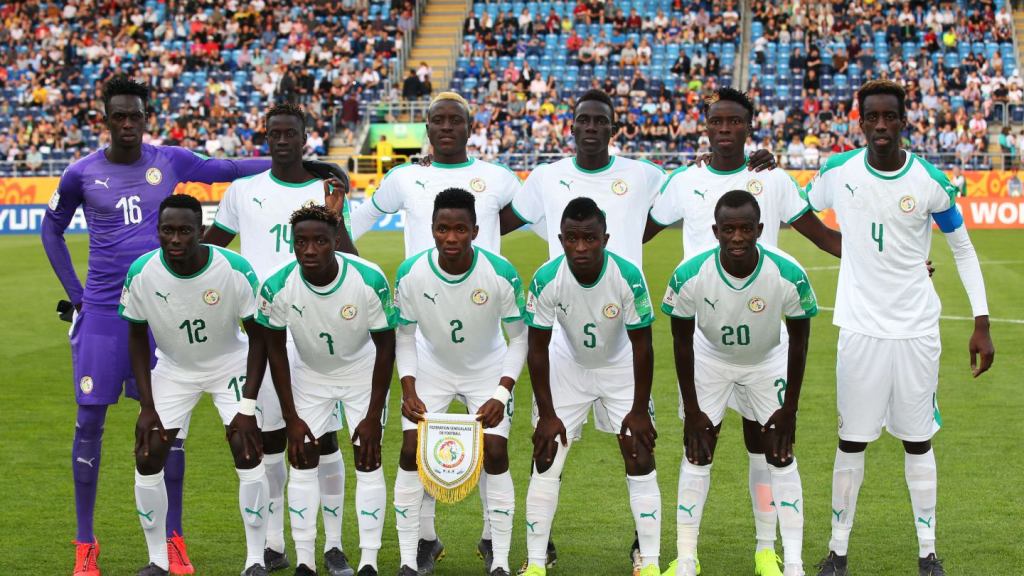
<point>85,465</point>
<point>174,479</point>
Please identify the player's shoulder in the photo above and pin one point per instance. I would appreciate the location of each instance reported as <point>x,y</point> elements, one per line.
<point>410,263</point>
<point>501,265</point>
<point>233,259</point>
<point>627,269</point>
<point>787,266</point>
<point>142,262</point>
<point>640,164</point>
<point>544,168</point>
<point>279,278</point>
<point>928,172</point>
<point>250,181</point>
<point>77,169</point>
<point>681,176</point>
<point>839,160</point>
<point>493,168</point>
<point>370,272</point>
<point>407,168</point>
<point>546,274</point>
<point>690,268</point>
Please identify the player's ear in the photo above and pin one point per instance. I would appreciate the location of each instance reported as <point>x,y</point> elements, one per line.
<point>714,230</point>
<point>760,229</point>
<point>476,230</point>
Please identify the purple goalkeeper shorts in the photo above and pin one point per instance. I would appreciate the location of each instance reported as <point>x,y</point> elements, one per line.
<point>100,360</point>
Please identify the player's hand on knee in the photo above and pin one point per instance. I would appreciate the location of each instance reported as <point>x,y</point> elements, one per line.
<point>698,437</point>
<point>491,413</point>
<point>641,428</point>
<point>413,408</point>
<point>246,431</point>
<point>549,431</point>
<point>761,160</point>
<point>148,421</point>
<point>782,424</point>
<point>368,433</point>
<point>298,433</point>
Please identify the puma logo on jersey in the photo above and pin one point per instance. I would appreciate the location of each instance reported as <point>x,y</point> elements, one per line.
<point>568,185</point>
<point>164,296</point>
<point>852,189</point>
<point>564,308</point>
<point>86,462</point>
<point>699,193</point>
<point>422,184</point>
<point>299,310</point>
<point>259,201</point>
<point>431,298</point>
<point>103,182</point>
<point>712,304</point>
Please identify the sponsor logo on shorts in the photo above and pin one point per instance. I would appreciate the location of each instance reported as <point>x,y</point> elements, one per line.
<point>479,297</point>
<point>755,187</point>
<point>756,304</point>
<point>619,187</point>
<point>611,311</point>
<point>85,384</point>
<point>211,297</point>
<point>349,311</point>
<point>907,204</point>
<point>154,176</point>
<point>477,185</point>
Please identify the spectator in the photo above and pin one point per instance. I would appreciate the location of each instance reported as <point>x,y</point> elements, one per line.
<point>33,159</point>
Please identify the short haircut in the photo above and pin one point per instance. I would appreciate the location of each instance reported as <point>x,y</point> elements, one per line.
<point>881,87</point>
<point>595,95</point>
<point>582,209</point>
<point>455,199</point>
<point>738,199</point>
<point>286,109</point>
<point>450,97</point>
<point>317,212</point>
<point>122,85</point>
<point>730,95</point>
<point>182,201</point>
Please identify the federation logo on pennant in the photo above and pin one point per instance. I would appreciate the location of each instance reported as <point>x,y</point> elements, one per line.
<point>907,204</point>
<point>479,296</point>
<point>477,185</point>
<point>348,311</point>
<point>449,455</point>
<point>154,176</point>
<point>611,311</point>
<point>755,187</point>
<point>756,304</point>
<point>619,187</point>
<point>211,297</point>
<point>85,384</point>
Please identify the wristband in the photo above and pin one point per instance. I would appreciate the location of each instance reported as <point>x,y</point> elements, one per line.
<point>502,395</point>
<point>247,407</point>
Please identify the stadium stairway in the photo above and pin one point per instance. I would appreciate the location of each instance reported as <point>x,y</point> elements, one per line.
<point>438,39</point>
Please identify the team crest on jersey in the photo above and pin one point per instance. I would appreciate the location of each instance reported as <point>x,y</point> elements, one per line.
<point>907,204</point>
<point>756,304</point>
<point>479,297</point>
<point>265,306</point>
<point>670,297</point>
<point>54,200</point>
<point>611,311</point>
<point>85,384</point>
<point>531,303</point>
<point>477,185</point>
<point>154,176</point>
<point>755,187</point>
<point>348,311</point>
<point>619,187</point>
<point>211,297</point>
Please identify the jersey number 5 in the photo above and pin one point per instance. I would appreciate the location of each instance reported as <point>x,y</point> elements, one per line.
<point>591,340</point>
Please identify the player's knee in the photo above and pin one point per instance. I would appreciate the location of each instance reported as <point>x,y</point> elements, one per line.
<point>407,456</point>
<point>495,455</point>
<point>552,469</point>
<point>641,465</point>
<point>917,448</point>
<point>275,441</point>
<point>90,420</point>
<point>329,443</point>
<point>777,461</point>
<point>148,464</point>
<point>852,447</point>
<point>242,462</point>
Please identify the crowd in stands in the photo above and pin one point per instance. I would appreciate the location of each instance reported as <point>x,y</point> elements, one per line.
<point>213,67</point>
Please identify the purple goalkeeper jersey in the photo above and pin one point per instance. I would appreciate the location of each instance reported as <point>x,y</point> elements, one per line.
<point>120,202</point>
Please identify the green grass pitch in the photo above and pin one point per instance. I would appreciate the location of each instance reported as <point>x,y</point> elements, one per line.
<point>979,451</point>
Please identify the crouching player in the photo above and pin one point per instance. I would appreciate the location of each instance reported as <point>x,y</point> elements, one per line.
<point>734,295</point>
<point>192,297</point>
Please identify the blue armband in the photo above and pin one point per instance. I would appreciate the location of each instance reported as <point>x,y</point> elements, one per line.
<point>949,220</point>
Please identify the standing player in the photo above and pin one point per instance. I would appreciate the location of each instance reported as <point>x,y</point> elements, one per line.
<point>120,188</point>
<point>338,309</point>
<point>192,297</point>
<point>886,199</point>
<point>601,353</point>
<point>457,297</point>
<point>735,295</point>
<point>690,194</point>
<point>413,188</point>
<point>258,208</point>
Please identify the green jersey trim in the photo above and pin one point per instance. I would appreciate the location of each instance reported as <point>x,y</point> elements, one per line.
<point>646,161</point>
<point>444,166</point>
<point>129,318</point>
<point>240,264</point>
<point>941,179</point>
<point>138,265</point>
<point>728,172</point>
<point>512,205</point>
<point>373,200</point>
<point>689,270</point>
<point>379,284</point>
<point>800,214</point>
<point>225,228</point>
<point>655,220</point>
<point>529,322</point>
<point>292,184</point>
<point>750,279</point>
<point>672,175</point>
<point>395,169</point>
<point>405,267</point>
<point>611,161</point>
<point>642,324</point>
<point>440,274</point>
<point>343,268</point>
<point>511,171</point>
<point>505,269</point>
<point>545,275</point>
<point>209,260</point>
<point>641,296</point>
<point>898,175</point>
<point>798,278</point>
<point>837,160</point>
<point>276,282</point>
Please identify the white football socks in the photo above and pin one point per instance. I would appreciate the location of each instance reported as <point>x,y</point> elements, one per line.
<point>427,512</point>
<point>332,497</point>
<point>501,507</point>
<point>252,503</point>
<point>486,533</point>
<point>847,476</point>
<point>922,480</point>
<point>760,484</point>
<point>645,502</point>
<point>788,491</point>
<point>541,504</point>
<point>303,503</point>
<point>371,500</point>
<point>694,483</point>
<point>408,496</point>
<point>151,506</point>
<point>277,474</point>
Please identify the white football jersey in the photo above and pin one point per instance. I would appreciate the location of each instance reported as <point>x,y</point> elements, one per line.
<point>194,319</point>
<point>593,319</point>
<point>258,208</point>
<point>330,324</point>
<point>886,219</point>
<point>459,319</point>
<point>690,195</point>
<point>738,318</point>
<point>413,188</point>
<point>625,190</point>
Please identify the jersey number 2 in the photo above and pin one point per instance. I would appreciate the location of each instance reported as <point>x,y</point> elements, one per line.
<point>456,326</point>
